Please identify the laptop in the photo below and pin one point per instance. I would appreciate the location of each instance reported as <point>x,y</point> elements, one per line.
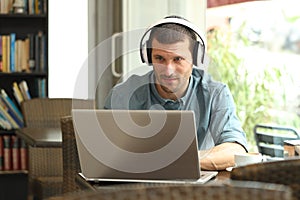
<point>153,146</point>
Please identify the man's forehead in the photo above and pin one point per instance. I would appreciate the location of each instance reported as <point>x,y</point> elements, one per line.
<point>178,48</point>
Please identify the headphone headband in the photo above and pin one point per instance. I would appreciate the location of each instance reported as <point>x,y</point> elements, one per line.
<point>179,21</point>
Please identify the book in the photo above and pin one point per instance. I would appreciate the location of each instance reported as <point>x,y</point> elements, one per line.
<point>10,6</point>
<point>31,61</point>
<point>43,56</point>
<point>24,90</point>
<point>25,59</point>
<point>1,69</point>
<point>4,123</point>
<point>17,93</point>
<point>4,53</point>
<point>2,7</point>
<point>5,112</point>
<point>8,53</point>
<point>42,93</point>
<point>17,56</point>
<point>23,155</point>
<point>45,3</point>
<point>6,153</point>
<point>6,6</point>
<point>37,7</point>
<point>22,55</point>
<point>11,113</point>
<point>15,153</point>
<point>12,52</point>
<point>11,105</point>
<point>26,6</point>
<point>37,49</point>
<point>31,6</point>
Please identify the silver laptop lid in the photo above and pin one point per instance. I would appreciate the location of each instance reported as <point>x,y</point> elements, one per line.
<point>137,144</point>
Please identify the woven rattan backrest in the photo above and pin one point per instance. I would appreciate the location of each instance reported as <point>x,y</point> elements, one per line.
<point>237,190</point>
<point>46,112</point>
<point>284,172</point>
<point>71,165</point>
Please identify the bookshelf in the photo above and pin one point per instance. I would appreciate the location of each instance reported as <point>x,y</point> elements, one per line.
<point>33,80</point>
<point>25,26</point>
<point>23,55</point>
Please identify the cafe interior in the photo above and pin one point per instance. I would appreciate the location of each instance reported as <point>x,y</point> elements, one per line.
<point>251,49</point>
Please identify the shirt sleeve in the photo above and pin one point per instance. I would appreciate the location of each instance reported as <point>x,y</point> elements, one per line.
<point>225,125</point>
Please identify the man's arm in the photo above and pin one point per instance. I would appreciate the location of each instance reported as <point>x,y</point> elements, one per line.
<point>220,157</point>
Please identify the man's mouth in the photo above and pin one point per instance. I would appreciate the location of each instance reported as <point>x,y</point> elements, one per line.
<point>168,78</point>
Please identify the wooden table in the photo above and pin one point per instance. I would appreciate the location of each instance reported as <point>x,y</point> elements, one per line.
<point>41,137</point>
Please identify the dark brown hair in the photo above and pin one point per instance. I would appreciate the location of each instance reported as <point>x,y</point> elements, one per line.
<point>170,33</point>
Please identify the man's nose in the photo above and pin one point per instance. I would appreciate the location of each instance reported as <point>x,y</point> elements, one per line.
<point>169,68</point>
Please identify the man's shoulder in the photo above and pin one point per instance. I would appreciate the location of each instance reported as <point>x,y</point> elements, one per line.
<point>131,93</point>
<point>135,80</point>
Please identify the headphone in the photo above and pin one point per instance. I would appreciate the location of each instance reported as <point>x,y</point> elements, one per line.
<point>198,56</point>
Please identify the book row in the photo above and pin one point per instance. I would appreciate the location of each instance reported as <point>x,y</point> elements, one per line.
<point>13,153</point>
<point>10,114</point>
<point>23,55</point>
<point>23,6</point>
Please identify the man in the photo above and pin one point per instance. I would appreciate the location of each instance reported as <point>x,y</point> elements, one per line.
<point>176,83</point>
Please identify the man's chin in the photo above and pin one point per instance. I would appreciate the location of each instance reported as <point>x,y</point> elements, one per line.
<point>168,89</point>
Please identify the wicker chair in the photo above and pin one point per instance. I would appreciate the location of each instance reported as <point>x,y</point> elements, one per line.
<point>71,165</point>
<point>285,172</point>
<point>236,190</point>
<point>45,164</point>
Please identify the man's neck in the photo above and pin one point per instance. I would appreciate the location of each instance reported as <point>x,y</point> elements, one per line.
<point>168,94</point>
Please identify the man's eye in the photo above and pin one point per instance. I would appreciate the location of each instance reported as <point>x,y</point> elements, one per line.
<point>160,58</point>
<point>177,59</point>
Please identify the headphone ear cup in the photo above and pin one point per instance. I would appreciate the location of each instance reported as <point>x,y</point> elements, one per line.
<point>195,54</point>
<point>198,54</point>
<point>146,53</point>
<point>149,53</point>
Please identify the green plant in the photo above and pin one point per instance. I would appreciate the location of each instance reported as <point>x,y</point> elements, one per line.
<point>253,90</point>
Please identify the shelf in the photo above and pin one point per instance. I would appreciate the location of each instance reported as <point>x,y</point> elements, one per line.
<point>13,172</point>
<point>23,74</point>
<point>7,132</point>
<point>22,16</point>
<point>23,24</point>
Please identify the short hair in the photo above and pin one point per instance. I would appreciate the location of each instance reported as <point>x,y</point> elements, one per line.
<point>170,33</point>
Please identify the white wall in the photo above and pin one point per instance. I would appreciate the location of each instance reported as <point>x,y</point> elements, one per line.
<point>68,47</point>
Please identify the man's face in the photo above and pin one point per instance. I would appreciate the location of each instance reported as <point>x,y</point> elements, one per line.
<point>172,65</point>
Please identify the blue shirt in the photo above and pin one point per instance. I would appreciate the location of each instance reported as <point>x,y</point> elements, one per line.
<point>211,101</point>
